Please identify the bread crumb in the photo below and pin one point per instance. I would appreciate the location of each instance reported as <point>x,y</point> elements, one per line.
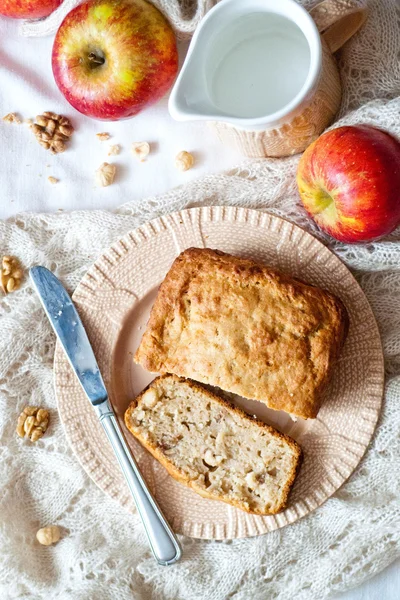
<point>103,137</point>
<point>52,179</point>
<point>12,118</point>
<point>114,150</point>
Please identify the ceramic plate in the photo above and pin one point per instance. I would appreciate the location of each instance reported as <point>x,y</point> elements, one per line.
<point>114,299</point>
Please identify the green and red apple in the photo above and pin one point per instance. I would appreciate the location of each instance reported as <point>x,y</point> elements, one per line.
<point>112,58</point>
<point>28,9</point>
<point>349,182</point>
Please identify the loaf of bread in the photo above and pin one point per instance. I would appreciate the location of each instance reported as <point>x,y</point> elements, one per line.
<point>213,447</point>
<point>241,326</point>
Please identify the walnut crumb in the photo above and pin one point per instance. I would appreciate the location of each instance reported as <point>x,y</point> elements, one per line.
<point>12,118</point>
<point>28,122</point>
<point>103,137</point>
<point>114,150</point>
<point>141,150</point>
<point>32,422</point>
<point>52,131</point>
<point>52,179</point>
<point>105,174</point>
<point>184,161</point>
<point>10,274</point>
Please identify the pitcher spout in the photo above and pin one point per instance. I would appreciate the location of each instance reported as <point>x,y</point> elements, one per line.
<point>188,100</point>
<point>190,97</point>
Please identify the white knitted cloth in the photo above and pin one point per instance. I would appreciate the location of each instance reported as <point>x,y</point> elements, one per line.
<point>103,553</point>
<point>184,16</point>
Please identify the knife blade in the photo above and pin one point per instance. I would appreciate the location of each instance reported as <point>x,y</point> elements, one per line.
<point>69,330</point>
<point>68,327</point>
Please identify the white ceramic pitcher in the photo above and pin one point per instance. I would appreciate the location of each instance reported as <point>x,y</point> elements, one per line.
<point>260,72</point>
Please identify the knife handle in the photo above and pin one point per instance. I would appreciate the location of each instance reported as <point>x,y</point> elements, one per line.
<point>162,539</point>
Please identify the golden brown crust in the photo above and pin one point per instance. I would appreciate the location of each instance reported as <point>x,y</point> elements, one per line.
<point>232,323</point>
<point>180,476</point>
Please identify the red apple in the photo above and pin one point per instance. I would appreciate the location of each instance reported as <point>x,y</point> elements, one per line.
<point>28,9</point>
<point>112,58</point>
<point>349,182</point>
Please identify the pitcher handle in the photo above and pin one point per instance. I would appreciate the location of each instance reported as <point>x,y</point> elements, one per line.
<point>338,20</point>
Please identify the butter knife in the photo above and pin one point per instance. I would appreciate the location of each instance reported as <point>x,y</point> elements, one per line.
<point>72,336</point>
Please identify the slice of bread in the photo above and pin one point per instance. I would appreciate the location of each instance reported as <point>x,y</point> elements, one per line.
<point>213,447</point>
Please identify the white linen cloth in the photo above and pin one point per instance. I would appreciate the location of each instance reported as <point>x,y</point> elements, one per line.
<point>103,552</point>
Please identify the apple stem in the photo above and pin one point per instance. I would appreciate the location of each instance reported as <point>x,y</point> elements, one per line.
<point>95,60</point>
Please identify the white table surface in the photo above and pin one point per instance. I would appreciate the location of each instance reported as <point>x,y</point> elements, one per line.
<point>27,87</point>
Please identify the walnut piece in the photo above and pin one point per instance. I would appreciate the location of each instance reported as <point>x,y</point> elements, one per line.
<point>251,480</point>
<point>211,459</point>
<point>150,398</point>
<point>114,150</point>
<point>52,131</point>
<point>105,174</point>
<point>141,150</point>
<point>32,422</point>
<point>184,161</point>
<point>103,137</point>
<point>52,179</point>
<point>48,535</point>
<point>10,274</point>
<point>12,118</point>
